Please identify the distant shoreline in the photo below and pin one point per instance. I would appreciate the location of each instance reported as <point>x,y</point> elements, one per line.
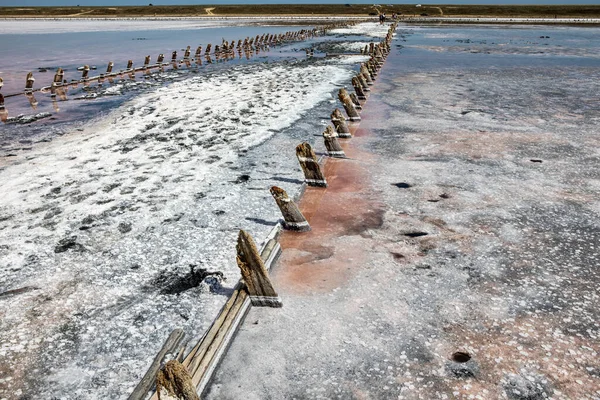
<point>359,11</point>
<point>324,18</point>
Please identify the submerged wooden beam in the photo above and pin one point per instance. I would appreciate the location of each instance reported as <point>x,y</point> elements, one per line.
<point>254,273</point>
<point>293,218</point>
<point>313,176</point>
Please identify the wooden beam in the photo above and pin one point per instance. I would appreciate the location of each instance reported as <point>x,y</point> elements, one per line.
<point>169,347</point>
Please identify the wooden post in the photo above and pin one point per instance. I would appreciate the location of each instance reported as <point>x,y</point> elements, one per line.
<point>109,67</point>
<point>255,275</point>
<point>1,102</point>
<point>198,54</point>
<point>207,49</point>
<point>146,62</point>
<point>1,82</point>
<point>332,144</point>
<point>129,64</point>
<point>160,59</point>
<point>174,57</point>
<point>363,82</point>
<point>348,105</point>
<point>313,176</point>
<point>366,74</point>
<point>29,82</point>
<point>355,100</point>
<point>358,88</point>
<point>341,127</point>
<point>186,55</point>
<point>293,218</point>
<point>3,111</point>
<point>174,382</point>
<point>85,73</point>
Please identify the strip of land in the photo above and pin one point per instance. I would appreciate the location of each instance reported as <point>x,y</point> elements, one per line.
<point>403,10</point>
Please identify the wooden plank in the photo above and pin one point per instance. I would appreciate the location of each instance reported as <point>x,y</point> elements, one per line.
<point>141,390</point>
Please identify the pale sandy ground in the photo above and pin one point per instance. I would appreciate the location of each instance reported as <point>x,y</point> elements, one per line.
<point>466,219</point>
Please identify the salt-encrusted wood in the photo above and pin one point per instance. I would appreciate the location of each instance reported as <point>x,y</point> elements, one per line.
<point>208,46</point>
<point>358,88</point>
<point>160,59</point>
<point>85,73</point>
<point>355,100</point>
<point>171,346</point>
<point>366,73</point>
<point>146,62</point>
<point>363,82</point>
<point>29,82</point>
<point>254,273</point>
<point>186,54</point>
<point>332,144</point>
<point>174,382</point>
<point>109,67</point>
<point>313,176</point>
<point>129,65</point>
<point>348,105</point>
<point>341,127</point>
<point>293,218</point>
<point>198,52</point>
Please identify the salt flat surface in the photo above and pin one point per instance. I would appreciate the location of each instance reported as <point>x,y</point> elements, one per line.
<point>474,229</point>
<point>100,228</point>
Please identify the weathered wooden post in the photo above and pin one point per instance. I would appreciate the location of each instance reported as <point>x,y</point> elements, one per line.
<point>208,46</point>
<point>186,54</point>
<point>355,101</point>
<point>129,65</point>
<point>293,218</point>
<point>363,82</point>
<point>365,51</point>
<point>313,176</point>
<point>332,144</point>
<point>358,88</point>
<point>198,54</point>
<point>1,82</point>
<point>174,57</point>
<point>348,105</point>
<point>85,72</point>
<point>3,111</point>
<point>29,82</point>
<point>341,127</point>
<point>109,68</point>
<point>366,73</point>
<point>146,62</point>
<point>255,275</point>
<point>173,382</point>
<point>371,48</point>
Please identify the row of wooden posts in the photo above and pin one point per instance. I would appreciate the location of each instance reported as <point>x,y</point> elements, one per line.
<point>180,381</point>
<point>224,52</point>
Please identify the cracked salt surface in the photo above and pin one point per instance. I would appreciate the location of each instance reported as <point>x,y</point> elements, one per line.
<point>92,222</point>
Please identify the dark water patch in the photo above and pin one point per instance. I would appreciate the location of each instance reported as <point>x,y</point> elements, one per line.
<point>172,282</point>
<point>416,234</point>
<point>402,185</point>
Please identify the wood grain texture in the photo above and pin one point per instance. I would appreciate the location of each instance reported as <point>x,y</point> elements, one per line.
<point>313,175</point>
